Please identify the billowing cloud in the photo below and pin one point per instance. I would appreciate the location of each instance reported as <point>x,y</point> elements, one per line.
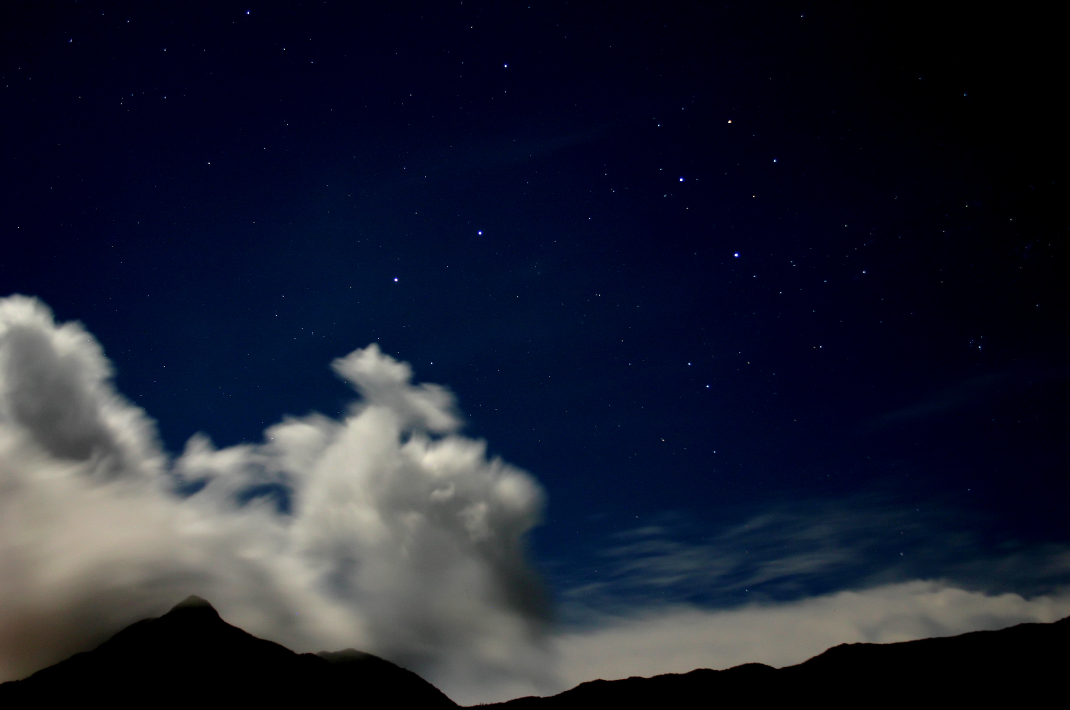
<point>399,536</point>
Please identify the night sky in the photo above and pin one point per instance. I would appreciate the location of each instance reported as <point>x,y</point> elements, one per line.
<point>769,298</point>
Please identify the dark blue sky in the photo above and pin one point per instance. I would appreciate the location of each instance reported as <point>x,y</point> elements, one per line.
<point>684,264</point>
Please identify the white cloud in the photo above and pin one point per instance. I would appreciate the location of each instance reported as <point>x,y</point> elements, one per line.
<point>681,638</point>
<point>402,539</point>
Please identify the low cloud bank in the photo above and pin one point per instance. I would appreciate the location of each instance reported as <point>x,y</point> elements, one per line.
<point>682,638</point>
<point>666,597</point>
<point>401,537</point>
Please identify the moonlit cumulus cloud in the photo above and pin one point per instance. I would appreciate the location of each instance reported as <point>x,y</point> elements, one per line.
<point>400,538</point>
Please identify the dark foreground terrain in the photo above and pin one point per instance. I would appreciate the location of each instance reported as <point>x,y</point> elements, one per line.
<point>1022,666</point>
<point>190,655</point>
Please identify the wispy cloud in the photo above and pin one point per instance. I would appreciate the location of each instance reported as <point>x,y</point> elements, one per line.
<point>973,391</point>
<point>800,550</point>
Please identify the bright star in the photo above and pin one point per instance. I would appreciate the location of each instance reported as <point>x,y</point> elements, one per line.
<point>736,255</point>
<point>395,279</point>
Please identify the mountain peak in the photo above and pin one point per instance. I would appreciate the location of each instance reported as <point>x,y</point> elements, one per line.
<point>192,601</point>
<point>194,654</point>
<point>194,605</point>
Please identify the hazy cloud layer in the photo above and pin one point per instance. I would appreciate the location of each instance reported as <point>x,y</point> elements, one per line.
<point>677,639</point>
<point>401,537</point>
<point>663,598</point>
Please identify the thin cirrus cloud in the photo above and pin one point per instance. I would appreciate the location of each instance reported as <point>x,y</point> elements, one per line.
<point>402,538</point>
<point>801,549</point>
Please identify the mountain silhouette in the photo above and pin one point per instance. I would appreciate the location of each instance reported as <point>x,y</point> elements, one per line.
<point>190,655</point>
<point>1022,666</point>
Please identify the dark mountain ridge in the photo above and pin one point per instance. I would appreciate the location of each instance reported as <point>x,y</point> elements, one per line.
<point>1022,664</point>
<point>191,655</point>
